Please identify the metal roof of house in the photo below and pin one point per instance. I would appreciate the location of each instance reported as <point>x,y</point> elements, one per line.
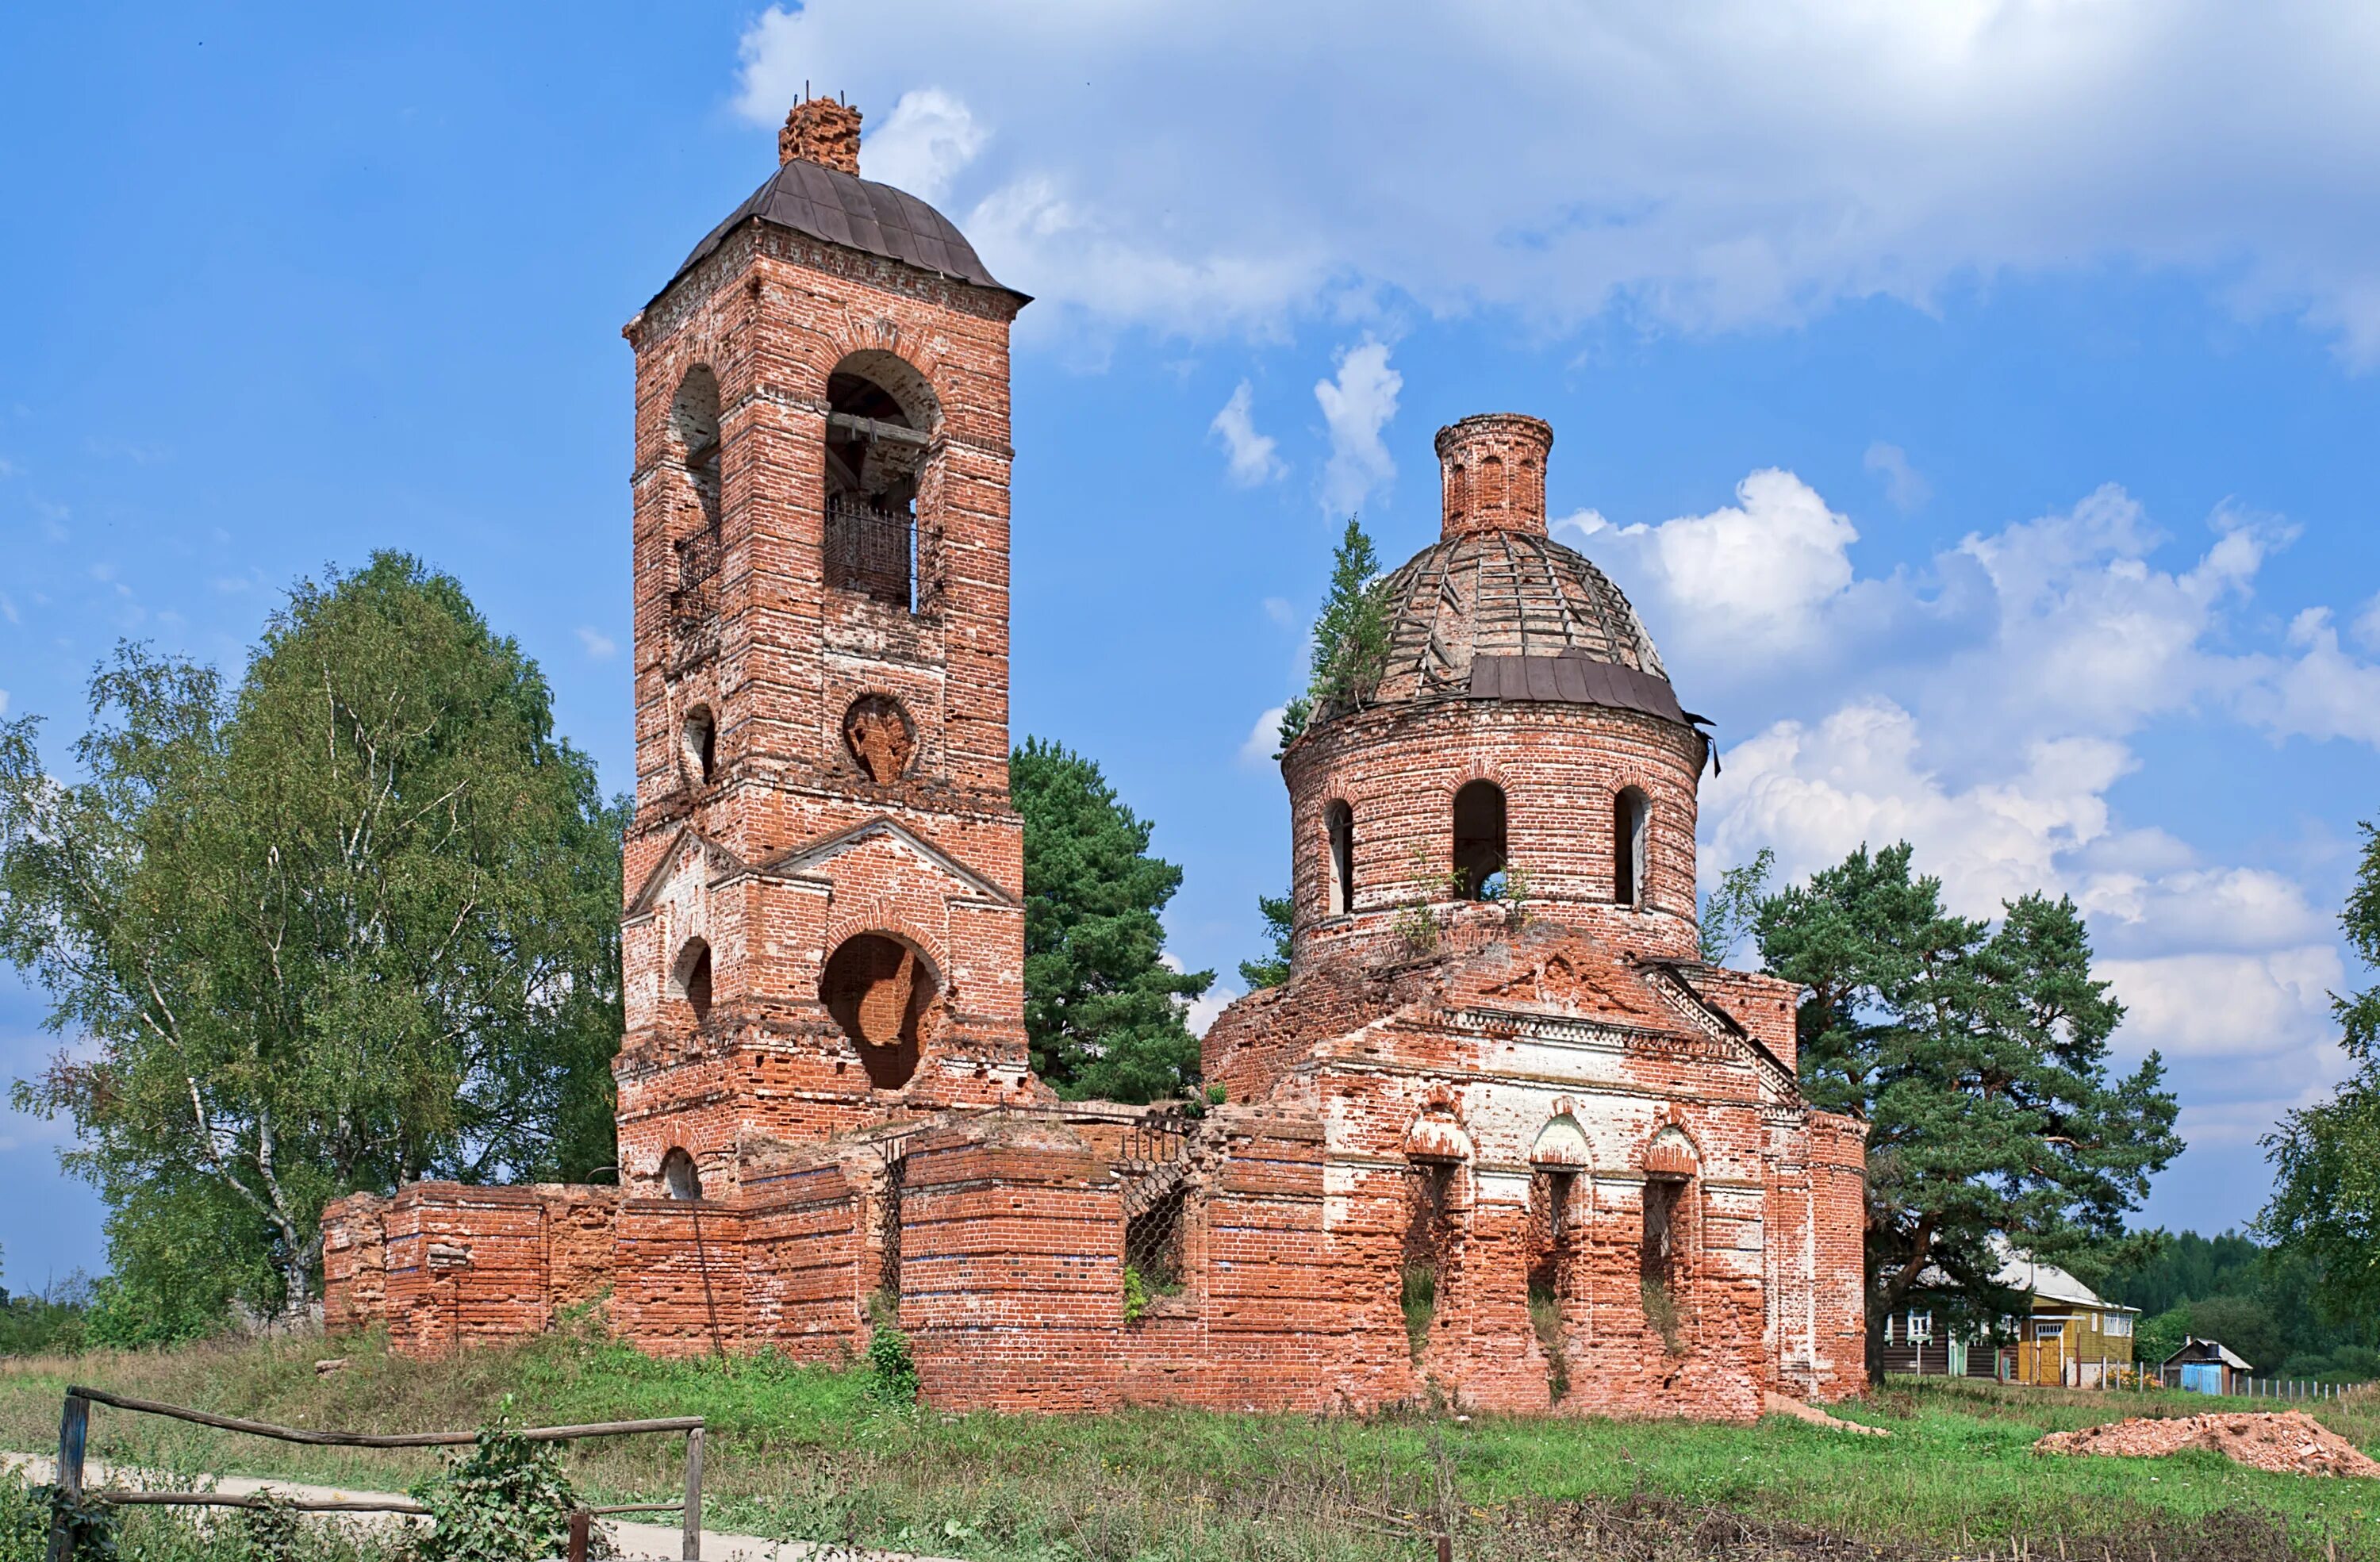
<point>2022,1271</point>
<point>2223,1353</point>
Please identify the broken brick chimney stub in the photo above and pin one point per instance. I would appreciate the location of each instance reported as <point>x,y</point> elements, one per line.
<point>1493,469</point>
<point>823,131</point>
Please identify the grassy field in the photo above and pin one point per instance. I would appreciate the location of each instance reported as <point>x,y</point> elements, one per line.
<point>806,1453</point>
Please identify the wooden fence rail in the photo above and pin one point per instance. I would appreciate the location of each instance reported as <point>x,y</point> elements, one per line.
<point>74,1429</point>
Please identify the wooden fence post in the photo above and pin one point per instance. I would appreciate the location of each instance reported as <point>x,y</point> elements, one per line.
<point>74,1427</point>
<point>692,1550</point>
<point>581,1521</point>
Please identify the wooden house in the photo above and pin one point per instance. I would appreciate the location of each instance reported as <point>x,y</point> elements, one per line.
<point>2067,1335</point>
<point>2204,1366</point>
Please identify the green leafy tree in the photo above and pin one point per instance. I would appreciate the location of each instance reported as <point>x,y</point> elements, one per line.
<point>2325,1204</point>
<point>1105,1014</point>
<point>1731,912</point>
<point>1281,917</point>
<point>1351,637</point>
<point>1979,1057</point>
<point>351,924</point>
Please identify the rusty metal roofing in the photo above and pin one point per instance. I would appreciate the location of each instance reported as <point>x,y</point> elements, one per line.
<point>1574,679</point>
<point>858,213</point>
<point>1514,615</point>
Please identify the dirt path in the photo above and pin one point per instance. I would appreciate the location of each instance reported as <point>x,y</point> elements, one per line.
<point>631,1541</point>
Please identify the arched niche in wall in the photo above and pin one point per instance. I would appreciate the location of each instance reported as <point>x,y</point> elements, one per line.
<point>690,978</point>
<point>681,1178</point>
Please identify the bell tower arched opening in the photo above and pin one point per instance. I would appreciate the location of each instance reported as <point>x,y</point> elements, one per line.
<point>1479,853</point>
<point>880,419</point>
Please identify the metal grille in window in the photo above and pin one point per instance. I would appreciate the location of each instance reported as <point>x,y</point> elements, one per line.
<point>871,548</point>
<point>895,1153</point>
<point>1154,1166</point>
<point>694,607</point>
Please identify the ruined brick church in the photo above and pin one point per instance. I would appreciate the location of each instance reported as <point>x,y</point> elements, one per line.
<point>1501,1140</point>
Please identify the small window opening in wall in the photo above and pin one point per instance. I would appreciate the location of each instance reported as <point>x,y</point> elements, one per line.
<point>1549,1252</point>
<point>1479,840</point>
<point>680,1177</point>
<point>879,992</point>
<point>1152,1249</point>
<point>701,745</point>
<point>1339,825</point>
<point>879,416</point>
<point>1428,1235</point>
<point>692,978</point>
<point>1632,828</point>
<point>1661,1268</point>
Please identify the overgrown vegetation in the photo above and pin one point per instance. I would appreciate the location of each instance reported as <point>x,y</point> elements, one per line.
<point>503,1500</point>
<point>2259,1302</point>
<point>813,1453</point>
<point>1417,1298</point>
<point>1280,913</point>
<point>1351,638</point>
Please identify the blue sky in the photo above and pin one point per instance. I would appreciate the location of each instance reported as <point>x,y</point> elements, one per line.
<point>1977,401</point>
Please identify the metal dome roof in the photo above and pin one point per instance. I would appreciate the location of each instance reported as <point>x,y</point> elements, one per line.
<point>840,208</point>
<point>1512,614</point>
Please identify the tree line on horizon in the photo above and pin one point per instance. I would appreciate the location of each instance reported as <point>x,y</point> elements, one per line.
<point>353,921</point>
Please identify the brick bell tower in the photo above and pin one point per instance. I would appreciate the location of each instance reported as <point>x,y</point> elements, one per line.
<point>824,926</point>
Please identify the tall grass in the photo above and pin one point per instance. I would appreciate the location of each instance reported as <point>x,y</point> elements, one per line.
<point>807,1452</point>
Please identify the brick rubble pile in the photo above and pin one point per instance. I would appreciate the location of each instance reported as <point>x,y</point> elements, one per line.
<point>2286,1442</point>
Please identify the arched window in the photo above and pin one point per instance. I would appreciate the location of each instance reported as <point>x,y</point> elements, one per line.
<point>694,429</point>
<point>1478,839</point>
<point>1632,830</point>
<point>1339,825</point>
<point>701,745</point>
<point>880,421</point>
<point>691,978</point>
<point>879,991</point>
<point>681,1180</point>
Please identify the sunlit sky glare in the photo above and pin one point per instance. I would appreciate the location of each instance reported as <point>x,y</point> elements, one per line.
<point>1977,400</point>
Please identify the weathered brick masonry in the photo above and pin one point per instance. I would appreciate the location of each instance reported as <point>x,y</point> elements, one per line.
<point>1502,1138</point>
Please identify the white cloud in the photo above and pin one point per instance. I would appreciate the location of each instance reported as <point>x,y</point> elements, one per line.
<point>1753,578</point>
<point>8,468</point>
<point>1278,609</point>
<point>923,144</point>
<point>2367,626</point>
<point>8,610</point>
<point>1205,1008</point>
<point>599,645</point>
<point>2226,1005</point>
<point>1264,739</point>
<point>4,702</point>
<point>1751,161</point>
<point>1357,405</point>
<point>1252,456</point>
<point>1904,484</point>
<point>2324,693</point>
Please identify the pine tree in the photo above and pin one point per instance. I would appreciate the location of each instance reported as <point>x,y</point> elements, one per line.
<point>1979,1057</point>
<point>1104,1013</point>
<point>1351,637</point>
<point>1281,916</point>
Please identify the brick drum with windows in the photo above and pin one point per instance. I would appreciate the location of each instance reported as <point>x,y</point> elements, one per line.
<point>1501,1138</point>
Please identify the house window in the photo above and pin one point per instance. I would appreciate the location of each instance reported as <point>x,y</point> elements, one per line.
<point>2116,1326</point>
<point>1339,826</point>
<point>2048,1328</point>
<point>1478,839</point>
<point>1920,1327</point>
<point>1632,818</point>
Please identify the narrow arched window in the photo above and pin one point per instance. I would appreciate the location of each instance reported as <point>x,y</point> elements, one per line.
<point>694,431</point>
<point>881,415</point>
<point>1339,826</point>
<point>691,978</point>
<point>681,1178</point>
<point>1631,831</point>
<point>1478,839</point>
<point>701,736</point>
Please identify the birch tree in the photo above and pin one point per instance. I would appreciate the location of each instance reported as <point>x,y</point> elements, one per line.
<point>349,924</point>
